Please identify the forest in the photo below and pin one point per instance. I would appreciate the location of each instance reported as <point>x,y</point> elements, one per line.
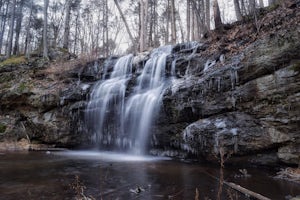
<point>103,28</point>
<point>150,99</point>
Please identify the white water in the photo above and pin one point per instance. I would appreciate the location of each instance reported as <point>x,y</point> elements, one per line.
<point>109,156</point>
<point>122,121</point>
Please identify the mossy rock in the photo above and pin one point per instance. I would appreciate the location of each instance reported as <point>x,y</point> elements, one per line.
<point>296,66</point>
<point>2,128</point>
<point>14,60</point>
<point>23,88</point>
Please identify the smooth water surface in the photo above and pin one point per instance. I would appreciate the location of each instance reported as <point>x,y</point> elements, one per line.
<point>37,175</point>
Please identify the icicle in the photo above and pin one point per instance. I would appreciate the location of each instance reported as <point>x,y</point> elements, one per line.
<point>234,132</point>
<point>236,75</point>
<point>219,84</point>
<point>222,59</point>
<point>173,68</point>
<point>232,79</point>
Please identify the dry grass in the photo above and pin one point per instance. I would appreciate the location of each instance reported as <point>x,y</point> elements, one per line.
<point>60,67</point>
<point>79,188</point>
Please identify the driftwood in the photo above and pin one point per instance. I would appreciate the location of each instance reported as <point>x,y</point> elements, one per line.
<point>240,189</point>
<point>246,191</point>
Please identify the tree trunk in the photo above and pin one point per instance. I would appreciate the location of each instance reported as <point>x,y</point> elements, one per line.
<point>16,50</point>
<point>271,2</point>
<point>106,30</point>
<point>151,24</point>
<point>11,28</point>
<point>207,13</point>
<point>3,25</point>
<point>188,20</point>
<point>173,22</point>
<point>125,22</point>
<point>237,9</point>
<point>45,39</point>
<point>67,25</point>
<point>217,16</point>
<point>142,26</point>
<point>261,3</point>
<point>76,32</point>
<point>167,22</point>
<point>252,6</point>
<point>243,8</point>
<point>193,25</point>
<point>27,38</point>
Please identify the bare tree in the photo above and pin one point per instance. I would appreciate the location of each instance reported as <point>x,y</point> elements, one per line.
<point>19,17</point>
<point>271,2</point>
<point>173,22</point>
<point>252,6</point>
<point>67,24</point>
<point>188,20</point>
<point>207,13</point>
<point>45,38</point>
<point>217,15</point>
<point>27,34</point>
<point>125,22</point>
<point>4,12</point>
<point>261,3</point>
<point>142,25</point>
<point>11,28</point>
<point>237,9</point>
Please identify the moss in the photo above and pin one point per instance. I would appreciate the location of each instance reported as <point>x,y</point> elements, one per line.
<point>23,87</point>
<point>14,60</point>
<point>272,7</point>
<point>2,128</point>
<point>296,66</point>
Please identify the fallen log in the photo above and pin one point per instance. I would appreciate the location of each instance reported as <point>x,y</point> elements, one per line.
<point>246,191</point>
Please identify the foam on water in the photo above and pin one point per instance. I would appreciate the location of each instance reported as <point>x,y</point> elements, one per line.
<point>109,156</point>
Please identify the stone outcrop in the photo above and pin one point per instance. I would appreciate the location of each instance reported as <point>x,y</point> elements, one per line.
<point>246,104</point>
<point>239,99</point>
<point>42,104</point>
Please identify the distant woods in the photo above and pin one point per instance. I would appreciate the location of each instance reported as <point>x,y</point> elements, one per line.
<point>103,27</point>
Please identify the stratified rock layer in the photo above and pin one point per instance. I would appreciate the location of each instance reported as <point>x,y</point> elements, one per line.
<point>236,96</point>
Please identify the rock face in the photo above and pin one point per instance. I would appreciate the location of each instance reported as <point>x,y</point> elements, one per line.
<point>42,104</point>
<point>246,106</point>
<point>238,99</point>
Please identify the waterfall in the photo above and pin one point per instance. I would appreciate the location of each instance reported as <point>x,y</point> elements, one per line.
<point>120,119</point>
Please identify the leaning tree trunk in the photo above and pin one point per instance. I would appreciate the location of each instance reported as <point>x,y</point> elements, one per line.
<point>125,22</point>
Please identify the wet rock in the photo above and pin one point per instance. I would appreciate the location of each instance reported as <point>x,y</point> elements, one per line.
<point>236,132</point>
<point>290,154</point>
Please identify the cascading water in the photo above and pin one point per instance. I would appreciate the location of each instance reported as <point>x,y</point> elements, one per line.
<point>122,121</point>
